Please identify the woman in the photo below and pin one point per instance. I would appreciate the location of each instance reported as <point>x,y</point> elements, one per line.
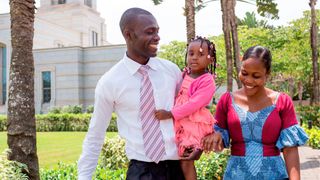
<point>260,122</point>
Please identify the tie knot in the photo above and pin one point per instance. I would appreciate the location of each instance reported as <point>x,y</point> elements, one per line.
<point>143,69</point>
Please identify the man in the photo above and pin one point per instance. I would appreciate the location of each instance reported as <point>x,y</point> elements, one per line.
<point>121,90</point>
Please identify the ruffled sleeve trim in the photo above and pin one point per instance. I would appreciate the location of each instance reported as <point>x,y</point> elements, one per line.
<point>224,134</point>
<point>292,136</point>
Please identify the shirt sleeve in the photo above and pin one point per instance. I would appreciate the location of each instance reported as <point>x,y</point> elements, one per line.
<point>222,111</point>
<point>200,98</point>
<point>291,133</point>
<point>103,108</point>
<point>222,120</point>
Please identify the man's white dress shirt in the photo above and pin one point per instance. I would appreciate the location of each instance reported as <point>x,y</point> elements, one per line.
<point>118,90</point>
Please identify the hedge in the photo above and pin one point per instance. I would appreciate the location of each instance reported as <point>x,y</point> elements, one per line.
<point>62,122</point>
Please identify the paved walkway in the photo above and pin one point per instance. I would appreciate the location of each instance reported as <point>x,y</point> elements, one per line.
<point>309,163</point>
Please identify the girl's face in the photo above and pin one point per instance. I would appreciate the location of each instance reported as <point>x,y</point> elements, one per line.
<point>198,57</point>
<point>253,75</point>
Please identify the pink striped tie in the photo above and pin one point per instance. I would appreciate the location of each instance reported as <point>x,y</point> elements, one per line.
<point>152,136</point>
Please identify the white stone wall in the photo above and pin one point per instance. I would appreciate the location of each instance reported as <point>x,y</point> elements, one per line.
<point>77,17</point>
<point>74,73</point>
<point>48,35</point>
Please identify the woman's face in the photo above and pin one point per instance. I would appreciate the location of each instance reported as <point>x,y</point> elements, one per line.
<point>253,76</point>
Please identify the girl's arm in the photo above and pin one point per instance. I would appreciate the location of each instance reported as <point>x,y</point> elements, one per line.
<point>201,97</point>
<point>163,114</point>
<point>291,157</point>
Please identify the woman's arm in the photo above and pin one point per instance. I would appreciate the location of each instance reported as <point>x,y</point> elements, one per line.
<point>291,157</point>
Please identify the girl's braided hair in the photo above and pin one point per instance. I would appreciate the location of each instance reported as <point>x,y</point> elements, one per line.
<point>211,52</point>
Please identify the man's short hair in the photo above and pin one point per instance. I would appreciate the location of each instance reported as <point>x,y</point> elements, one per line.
<point>129,15</point>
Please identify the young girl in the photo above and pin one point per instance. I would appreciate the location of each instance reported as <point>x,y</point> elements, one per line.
<point>192,120</point>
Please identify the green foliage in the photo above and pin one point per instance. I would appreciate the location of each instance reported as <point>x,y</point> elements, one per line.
<point>314,137</point>
<point>69,172</point>
<point>90,109</point>
<point>62,122</point>
<point>309,113</point>
<point>11,169</point>
<point>175,51</point>
<point>72,109</point>
<point>267,8</point>
<point>64,171</point>
<point>212,166</point>
<point>113,154</point>
<point>251,21</point>
<point>3,123</point>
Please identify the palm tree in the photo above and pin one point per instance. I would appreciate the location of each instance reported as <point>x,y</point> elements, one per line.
<point>251,21</point>
<point>265,8</point>
<point>189,10</point>
<point>21,114</point>
<point>313,39</point>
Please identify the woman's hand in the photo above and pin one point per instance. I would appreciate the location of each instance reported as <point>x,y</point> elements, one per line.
<point>212,142</point>
<point>163,114</point>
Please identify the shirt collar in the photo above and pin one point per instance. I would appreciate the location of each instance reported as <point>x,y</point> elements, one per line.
<point>133,66</point>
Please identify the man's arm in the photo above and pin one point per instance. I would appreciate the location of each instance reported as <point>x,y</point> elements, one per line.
<point>94,139</point>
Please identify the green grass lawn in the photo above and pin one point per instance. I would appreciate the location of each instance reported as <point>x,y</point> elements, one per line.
<point>54,147</point>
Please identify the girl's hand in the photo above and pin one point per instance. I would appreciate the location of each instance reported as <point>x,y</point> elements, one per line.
<point>163,114</point>
<point>212,142</point>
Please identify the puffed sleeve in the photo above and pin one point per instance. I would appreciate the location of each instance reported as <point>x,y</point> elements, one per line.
<point>291,133</point>
<point>221,118</point>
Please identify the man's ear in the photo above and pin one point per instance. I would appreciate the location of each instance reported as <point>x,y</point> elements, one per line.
<point>127,34</point>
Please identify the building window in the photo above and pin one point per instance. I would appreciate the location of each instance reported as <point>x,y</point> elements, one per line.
<point>54,2</point>
<point>88,3</point>
<point>4,76</point>
<point>46,86</point>
<point>94,38</point>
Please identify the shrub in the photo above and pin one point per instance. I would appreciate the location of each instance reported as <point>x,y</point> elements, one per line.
<point>90,109</point>
<point>3,123</point>
<point>62,122</point>
<point>64,171</point>
<point>55,110</point>
<point>113,154</point>
<point>11,169</point>
<point>72,109</point>
<point>314,137</point>
<point>69,172</point>
<point>309,113</point>
<point>212,165</point>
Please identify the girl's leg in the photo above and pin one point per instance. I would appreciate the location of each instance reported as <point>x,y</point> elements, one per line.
<point>188,169</point>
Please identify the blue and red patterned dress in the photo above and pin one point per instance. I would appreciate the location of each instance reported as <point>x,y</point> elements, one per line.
<point>257,137</point>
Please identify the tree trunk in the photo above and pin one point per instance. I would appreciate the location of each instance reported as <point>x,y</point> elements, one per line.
<point>300,92</point>
<point>225,8</point>
<point>313,40</point>
<point>291,87</point>
<point>21,113</point>
<point>190,19</point>
<point>235,41</point>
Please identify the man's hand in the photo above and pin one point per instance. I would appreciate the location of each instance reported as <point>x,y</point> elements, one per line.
<point>212,142</point>
<point>163,114</point>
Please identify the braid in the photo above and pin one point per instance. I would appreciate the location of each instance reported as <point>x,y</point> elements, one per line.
<point>211,51</point>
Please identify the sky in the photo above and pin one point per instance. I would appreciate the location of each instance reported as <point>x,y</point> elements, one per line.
<point>170,17</point>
